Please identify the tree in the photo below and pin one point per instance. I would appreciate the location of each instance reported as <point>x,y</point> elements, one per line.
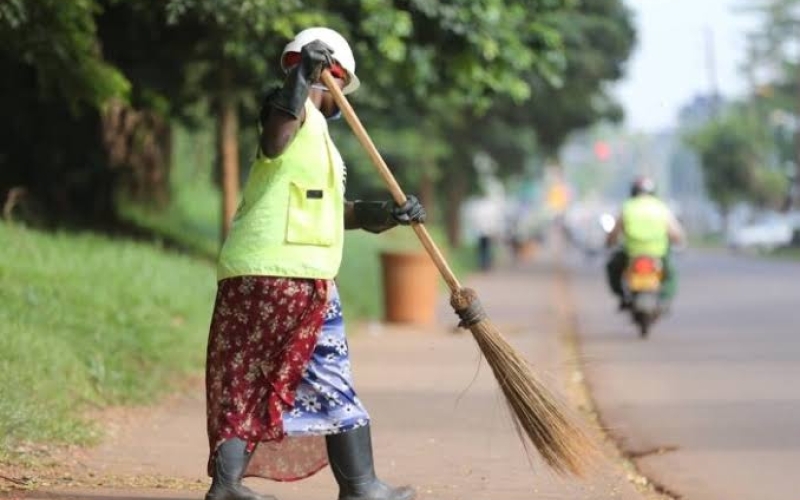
<point>92,88</point>
<point>55,85</point>
<point>595,39</point>
<point>510,43</point>
<point>732,159</point>
<point>136,39</point>
<point>428,58</point>
<point>444,80</point>
<point>598,39</point>
<point>775,53</point>
<point>57,42</point>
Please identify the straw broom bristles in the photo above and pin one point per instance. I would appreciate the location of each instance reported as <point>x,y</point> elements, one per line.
<point>538,414</point>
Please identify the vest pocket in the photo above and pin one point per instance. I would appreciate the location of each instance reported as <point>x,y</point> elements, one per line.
<point>311,216</point>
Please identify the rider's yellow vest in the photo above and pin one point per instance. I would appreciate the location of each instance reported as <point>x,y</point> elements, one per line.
<point>290,221</point>
<point>645,221</point>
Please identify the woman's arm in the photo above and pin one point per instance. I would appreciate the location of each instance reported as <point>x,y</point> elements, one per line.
<point>278,128</point>
<point>350,221</point>
<point>283,110</point>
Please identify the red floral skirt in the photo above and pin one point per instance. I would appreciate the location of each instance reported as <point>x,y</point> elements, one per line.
<point>263,333</point>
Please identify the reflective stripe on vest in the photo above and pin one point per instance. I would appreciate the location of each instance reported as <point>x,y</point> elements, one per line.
<point>645,220</point>
<point>290,221</point>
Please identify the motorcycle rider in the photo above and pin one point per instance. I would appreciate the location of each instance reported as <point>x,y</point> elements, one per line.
<point>648,227</point>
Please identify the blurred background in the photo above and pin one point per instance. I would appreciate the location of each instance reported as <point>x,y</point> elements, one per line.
<point>125,117</point>
<point>128,127</point>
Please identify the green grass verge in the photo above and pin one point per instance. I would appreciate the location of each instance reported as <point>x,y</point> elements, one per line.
<point>88,322</point>
<point>191,220</point>
<point>786,253</point>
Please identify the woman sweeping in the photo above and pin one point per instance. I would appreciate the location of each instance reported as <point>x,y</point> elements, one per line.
<point>280,398</point>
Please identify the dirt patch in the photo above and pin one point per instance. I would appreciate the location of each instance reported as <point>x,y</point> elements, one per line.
<point>31,467</point>
<point>65,468</point>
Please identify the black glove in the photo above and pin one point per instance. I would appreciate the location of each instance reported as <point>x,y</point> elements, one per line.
<point>378,216</point>
<point>411,211</point>
<point>291,98</point>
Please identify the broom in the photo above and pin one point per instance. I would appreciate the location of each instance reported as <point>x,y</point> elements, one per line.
<point>546,421</point>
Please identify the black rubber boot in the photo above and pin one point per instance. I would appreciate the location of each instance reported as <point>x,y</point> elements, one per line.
<point>230,463</point>
<point>350,456</point>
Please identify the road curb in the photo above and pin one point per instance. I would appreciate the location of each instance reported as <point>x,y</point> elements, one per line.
<point>580,391</point>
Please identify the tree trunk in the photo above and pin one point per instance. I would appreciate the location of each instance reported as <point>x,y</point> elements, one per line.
<point>427,194</point>
<point>455,196</point>
<point>138,143</point>
<point>725,213</point>
<point>228,153</point>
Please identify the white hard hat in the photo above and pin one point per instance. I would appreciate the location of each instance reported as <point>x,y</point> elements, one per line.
<point>341,52</point>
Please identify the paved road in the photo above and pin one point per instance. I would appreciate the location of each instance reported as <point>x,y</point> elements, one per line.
<point>718,381</point>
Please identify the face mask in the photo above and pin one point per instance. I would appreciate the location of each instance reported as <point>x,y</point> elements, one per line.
<point>338,114</point>
<point>335,116</point>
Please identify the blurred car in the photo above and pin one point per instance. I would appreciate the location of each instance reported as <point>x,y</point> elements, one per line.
<point>765,233</point>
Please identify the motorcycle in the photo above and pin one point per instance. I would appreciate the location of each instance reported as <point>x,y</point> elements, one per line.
<point>641,282</point>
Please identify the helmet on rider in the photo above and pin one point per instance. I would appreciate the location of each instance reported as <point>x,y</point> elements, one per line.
<point>345,63</point>
<point>643,185</point>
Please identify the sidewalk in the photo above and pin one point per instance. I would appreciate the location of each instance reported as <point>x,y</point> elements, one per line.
<point>439,421</point>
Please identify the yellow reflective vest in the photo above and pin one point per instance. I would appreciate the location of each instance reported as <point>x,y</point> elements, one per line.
<point>290,221</point>
<point>645,221</point>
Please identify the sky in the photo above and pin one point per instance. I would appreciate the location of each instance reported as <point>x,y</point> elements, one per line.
<point>669,65</point>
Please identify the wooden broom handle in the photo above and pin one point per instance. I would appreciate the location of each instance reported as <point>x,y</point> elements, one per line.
<point>394,188</point>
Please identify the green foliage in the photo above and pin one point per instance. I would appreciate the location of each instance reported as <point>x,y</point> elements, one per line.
<point>87,321</point>
<point>59,40</point>
<point>137,40</point>
<point>760,133</point>
<point>56,83</point>
<point>726,153</point>
<point>732,157</point>
<point>407,51</point>
<point>593,39</point>
<point>598,39</point>
<point>430,69</point>
<point>772,53</point>
<point>769,187</point>
<point>468,52</point>
<point>245,35</point>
